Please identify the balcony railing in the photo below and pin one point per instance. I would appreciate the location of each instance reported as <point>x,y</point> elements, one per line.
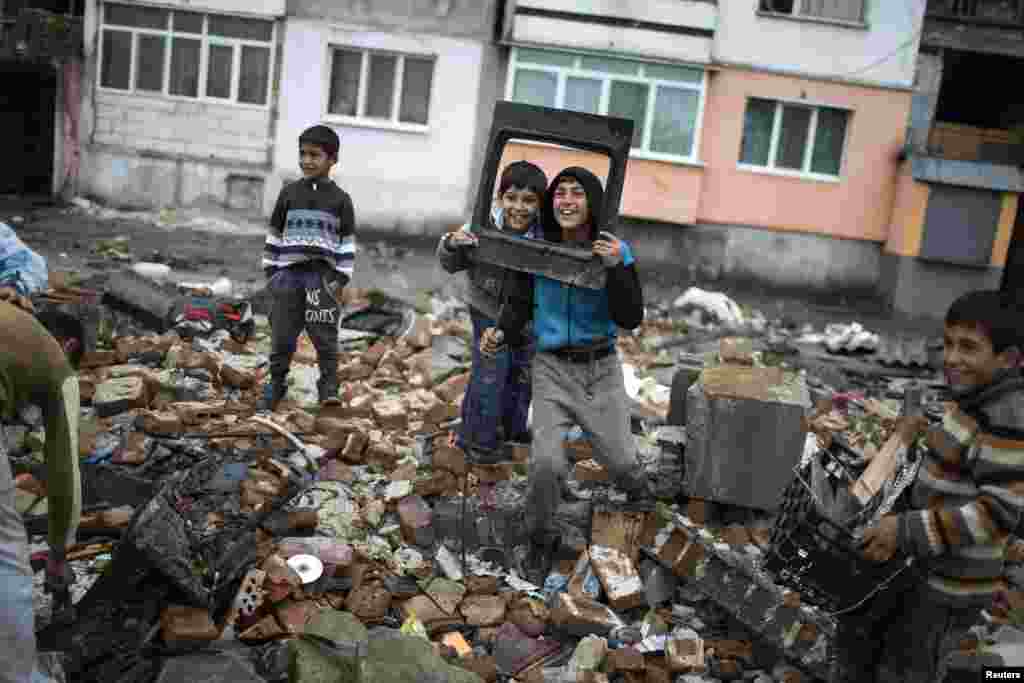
<point>1009,13</point>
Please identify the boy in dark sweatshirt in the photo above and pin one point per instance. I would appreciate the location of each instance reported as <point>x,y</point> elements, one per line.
<point>967,500</point>
<point>577,375</point>
<point>497,401</point>
<point>308,257</point>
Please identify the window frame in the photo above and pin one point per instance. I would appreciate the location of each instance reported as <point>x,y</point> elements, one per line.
<point>206,40</point>
<point>362,121</point>
<point>563,73</point>
<point>798,15</point>
<point>812,133</point>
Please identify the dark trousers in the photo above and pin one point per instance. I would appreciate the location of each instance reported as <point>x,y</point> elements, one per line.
<point>295,309</point>
<point>497,401</point>
<point>905,635</point>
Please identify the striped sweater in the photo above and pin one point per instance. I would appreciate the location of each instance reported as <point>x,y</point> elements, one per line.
<point>313,220</point>
<point>969,494</point>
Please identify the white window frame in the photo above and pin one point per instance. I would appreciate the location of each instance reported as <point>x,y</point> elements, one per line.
<point>362,121</point>
<point>205,41</point>
<point>773,148</point>
<point>563,73</point>
<point>800,15</point>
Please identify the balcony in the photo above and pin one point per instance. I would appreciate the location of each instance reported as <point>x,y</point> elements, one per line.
<point>1008,13</point>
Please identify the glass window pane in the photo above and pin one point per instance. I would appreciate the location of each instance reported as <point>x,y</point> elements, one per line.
<point>185,67</point>
<point>149,63</point>
<point>345,70</point>
<point>255,76</point>
<point>796,123</point>
<point>218,71</point>
<point>416,81</point>
<point>757,132</point>
<point>675,121</point>
<point>828,141</point>
<point>135,15</point>
<point>117,59</point>
<point>237,27</point>
<point>187,22</point>
<point>582,94</point>
<point>673,73</point>
<point>629,101</point>
<point>535,87</point>
<point>610,66</point>
<point>545,57</point>
<point>380,92</point>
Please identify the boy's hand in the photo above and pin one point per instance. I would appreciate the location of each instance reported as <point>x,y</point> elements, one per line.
<point>491,341</point>
<point>881,542</point>
<point>910,428</point>
<point>460,239</point>
<point>609,248</point>
<point>11,296</point>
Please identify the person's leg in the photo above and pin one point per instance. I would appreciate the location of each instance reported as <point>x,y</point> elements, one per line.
<point>17,614</point>
<point>917,643</point>
<point>603,411</point>
<point>489,376</point>
<point>321,321</point>
<point>287,318</point>
<point>518,394</point>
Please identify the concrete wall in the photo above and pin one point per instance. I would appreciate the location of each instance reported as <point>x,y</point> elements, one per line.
<point>446,17</point>
<point>413,180</point>
<point>882,52</point>
<point>922,288</point>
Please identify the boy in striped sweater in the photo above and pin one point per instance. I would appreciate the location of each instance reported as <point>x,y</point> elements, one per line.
<point>968,499</point>
<point>308,257</point>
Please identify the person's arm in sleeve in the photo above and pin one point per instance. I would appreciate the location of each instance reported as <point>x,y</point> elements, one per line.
<point>516,307</point>
<point>625,297</point>
<point>452,253</point>
<point>275,231</point>
<point>342,274</point>
<point>61,410</point>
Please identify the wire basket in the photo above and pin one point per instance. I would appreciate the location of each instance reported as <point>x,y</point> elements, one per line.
<point>819,558</point>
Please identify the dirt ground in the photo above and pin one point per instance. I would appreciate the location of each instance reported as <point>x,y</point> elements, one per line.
<point>398,265</point>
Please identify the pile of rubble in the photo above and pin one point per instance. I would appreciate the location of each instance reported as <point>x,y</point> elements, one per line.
<point>353,543</point>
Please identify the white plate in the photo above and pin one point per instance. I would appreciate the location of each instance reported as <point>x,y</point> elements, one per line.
<point>308,567</point>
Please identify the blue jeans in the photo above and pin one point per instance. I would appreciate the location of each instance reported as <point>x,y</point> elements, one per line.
<point>497,401</point>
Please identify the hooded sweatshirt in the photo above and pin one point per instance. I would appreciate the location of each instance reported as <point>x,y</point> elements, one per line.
<point>485,283</point>
<point>564,315</point>
<point>969,493</point>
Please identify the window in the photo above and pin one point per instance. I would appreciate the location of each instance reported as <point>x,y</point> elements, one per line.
<point>793,137</point>
<point>380,86</point>
<point>841,10</point>
<point>186,54</point>
<point>665,102</point>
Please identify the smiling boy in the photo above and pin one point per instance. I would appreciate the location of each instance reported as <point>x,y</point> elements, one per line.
<point>497,400</point>
<point>308,257</point>
<point>967,500</point>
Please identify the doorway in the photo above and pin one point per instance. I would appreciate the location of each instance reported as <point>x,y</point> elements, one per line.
<point>28,103</point>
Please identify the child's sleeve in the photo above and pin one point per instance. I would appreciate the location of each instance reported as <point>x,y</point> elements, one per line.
<point>275,231</point>
<point>453,260</point>
<point>347,234</point>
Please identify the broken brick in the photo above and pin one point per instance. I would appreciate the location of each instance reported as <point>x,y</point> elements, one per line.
<point>355,444</point>
<point>406,472</point>
<point>162,423</point>
<point>369,602</point>
<point>484,667</point>
<point>424,609</point>
<point>736,535</point>
<point>97,359</point>
<point>619,530</point>
<point>528,615</point>
<point>731,649</point>
<point>684,655</point>
<point>738,350</point>
<point>381,453</point>
<point>582,617</point>
<point>416,518</point>
<point>435,485</point>
<point>791,599</point>
<point>196,412</point>
<point>453,387</point>
<point>419,335</point>
<point>360,406</point>
<point>591,471</point>
<point>698,511</point>
<point>727,669</point>
<point>579,450</point>
<point>373,354</point>
<point>483,610</point>
<point>180,623</point>
<point>808,633</point>
<point>86,389</point>
<point>390,414</point>
<point>239,378</point>
<point>625,659</point>
<point>265,629</point>
<point>451,459</point>
<point>681,553</point>
<point>619,577</point>
<point>493,473</point>
<point>293,616</point>
<point>482,585</point>
<point>119,395</point>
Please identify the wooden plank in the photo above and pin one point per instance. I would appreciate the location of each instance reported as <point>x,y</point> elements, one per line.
<point>882,468</point>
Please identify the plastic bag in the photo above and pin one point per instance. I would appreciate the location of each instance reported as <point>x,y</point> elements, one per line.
<point>20,267</point>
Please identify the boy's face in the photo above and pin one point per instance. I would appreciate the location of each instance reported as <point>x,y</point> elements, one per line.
<point>520,205</point>
<point>969,359</point>
<point>572,210</point>
<point>314,161</point>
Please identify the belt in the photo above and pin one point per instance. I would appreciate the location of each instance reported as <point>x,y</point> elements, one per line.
<point>584,355</point>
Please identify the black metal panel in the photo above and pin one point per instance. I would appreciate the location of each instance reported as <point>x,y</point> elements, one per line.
<point>960,225</point>
<point>1013,271</point>
<point>602,134</point>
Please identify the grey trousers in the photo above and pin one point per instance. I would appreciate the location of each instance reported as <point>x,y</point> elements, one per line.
<point>904,636</point>
<point>313,310</point>
<point>565,394</point>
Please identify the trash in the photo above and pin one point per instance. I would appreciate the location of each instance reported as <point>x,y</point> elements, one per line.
<point>20,267</point>
<point>140,298</point>
<point>849,338</point>
<point>412,627</point>
<point>157,272</point>
<point>449,563</point>
<point>308,568</point>
<point>710,307</point>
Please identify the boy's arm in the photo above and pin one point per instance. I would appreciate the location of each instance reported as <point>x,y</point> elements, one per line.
<point>625,296</point>
<point>516,307</point>
<point>453,259</point>
<point>275,230</point>
<point>347,234</point>
<point>997,483</point>
<point>63,483</point>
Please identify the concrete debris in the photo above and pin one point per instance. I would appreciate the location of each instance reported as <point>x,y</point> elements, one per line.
<point>840,338</point>
<point>371,491</point>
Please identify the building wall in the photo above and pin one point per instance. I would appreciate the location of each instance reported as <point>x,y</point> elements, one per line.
<point>410,180</point>
<point>882,52</point>
<point>464,19</point>
<point>857,206</point>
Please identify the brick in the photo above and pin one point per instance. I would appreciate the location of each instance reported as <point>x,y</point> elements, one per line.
<point>416,518</point>
<point>738,350</point>
<point>582,617</point>
<point>453,387</point>
<point>579,450</point>
<point>449,459</point>
<point>484,667</point>
<point>727,669</point>
<point>619,577</point>
<point>195,412</point>
<point>183,624</point>
<point>681,553</point>
<point>619,530</point>
<point>239,378</point>
<point>361,406</point>
<point>591,471</point>
<point>302,421</point>
<point>425,610</point>
<point>86,389</point>
<point>625,659</point>
<point>265,629</point>
<point>493,473</point>
<point>684,655</point>
<point>407,472</point>
<point>98,358</point>
<point>293,615</point>
<point>373,354</point>
<point>435,485</point>
<point>390,414</point>
<point>698,511</point>
<point>736,535</point>
<point>528,615</point>
<point>420,335</point>
<point>133,452</point>
<point>382,453</point>
<point>355,444</point>
<point>163,423</point>
<point>731,649</point>
<point>483,610</point>
<point>118,395</point>
<point>370,602</point>
<point>482,585</point>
